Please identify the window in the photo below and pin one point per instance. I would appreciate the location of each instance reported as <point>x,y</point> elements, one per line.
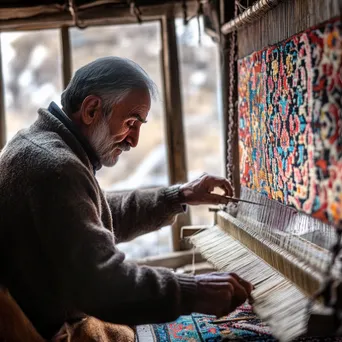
<point>32,75</point>
<point>33,78</point>
<point>198,67</point>
<point>145,165</point>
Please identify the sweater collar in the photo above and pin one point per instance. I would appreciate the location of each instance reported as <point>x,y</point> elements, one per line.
<point>61,116</point>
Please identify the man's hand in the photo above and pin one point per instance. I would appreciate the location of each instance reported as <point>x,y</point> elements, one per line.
<point>200,191</point>
<point>220,293</point>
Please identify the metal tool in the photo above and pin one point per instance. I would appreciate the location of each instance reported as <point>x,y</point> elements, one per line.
<point>234,319</point>
<point>234,199</point>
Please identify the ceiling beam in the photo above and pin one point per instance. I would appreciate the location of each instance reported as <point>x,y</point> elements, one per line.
<point>105,14</point>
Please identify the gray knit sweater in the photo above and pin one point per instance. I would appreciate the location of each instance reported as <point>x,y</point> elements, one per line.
<point>58,255</point>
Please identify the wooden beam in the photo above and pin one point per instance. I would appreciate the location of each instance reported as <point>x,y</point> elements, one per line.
<point>253,13</point>
<point>171,260</point>
<point>226,13</point>
<point>174,117</point>
<point>66,56</point>
<point>197,268</point>
<point>98,15</point>
<point>2,104</point>
<point>187,231</point>
<point>224,63</point>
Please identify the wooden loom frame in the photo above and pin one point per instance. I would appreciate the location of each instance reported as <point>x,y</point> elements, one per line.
<point>245,25</point>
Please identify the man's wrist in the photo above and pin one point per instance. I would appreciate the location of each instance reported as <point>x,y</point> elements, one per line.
<point>181,193</point>
<point>188,287</point>
<point>173,197</point>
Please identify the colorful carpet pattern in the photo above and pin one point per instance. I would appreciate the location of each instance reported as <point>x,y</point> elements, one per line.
<point>244,325</point>
<point>290,122</point>
<point>198,327</point>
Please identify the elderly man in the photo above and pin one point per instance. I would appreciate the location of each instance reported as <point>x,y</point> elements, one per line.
<point>59,230</point>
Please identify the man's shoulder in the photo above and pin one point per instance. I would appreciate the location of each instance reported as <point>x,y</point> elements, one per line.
<point>38,153</point>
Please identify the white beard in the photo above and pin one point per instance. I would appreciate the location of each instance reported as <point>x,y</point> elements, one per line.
<point>100,140</point>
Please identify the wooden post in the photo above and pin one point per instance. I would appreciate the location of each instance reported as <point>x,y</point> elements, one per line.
<point>224,78</point>
<point>226,13</point>
<point>2,105</point>
<point>174,118</point>
<point>66,55</point>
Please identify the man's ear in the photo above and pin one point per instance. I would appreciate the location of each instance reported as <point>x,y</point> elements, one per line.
<point>91,110</point>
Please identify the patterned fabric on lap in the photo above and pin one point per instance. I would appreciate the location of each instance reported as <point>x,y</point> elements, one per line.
<point>290,122</point>
<point>199,327</point>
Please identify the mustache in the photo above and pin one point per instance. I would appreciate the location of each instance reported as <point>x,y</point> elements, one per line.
<point>124,146</point>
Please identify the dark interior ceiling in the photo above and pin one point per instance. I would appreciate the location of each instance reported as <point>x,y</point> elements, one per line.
<point>33,14</point>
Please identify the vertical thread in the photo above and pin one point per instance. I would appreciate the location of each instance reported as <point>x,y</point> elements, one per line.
<point>281,22</point>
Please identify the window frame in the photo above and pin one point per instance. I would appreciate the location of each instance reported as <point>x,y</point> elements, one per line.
<point>173,111</point>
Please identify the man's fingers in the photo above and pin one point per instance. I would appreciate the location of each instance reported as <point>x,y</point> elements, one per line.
<point>239,296</point>
<point>200,190</point>
<point>225,186</point>
<point>226,288</point>
<point>223,276</point>
<point>245,284</point>
<point>228,188</point>
<point>238,288</point>
<point>217,182</point>
<point>215,277</point>
<point>242,288</point>
<point>221,292</point>
<point>222,284</point>
<point>215,199</point>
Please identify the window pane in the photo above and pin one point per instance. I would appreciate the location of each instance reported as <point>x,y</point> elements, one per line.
<point>154,243</point>
<point>145,165</point>
<point>32,75</point>
<point>199,74</point>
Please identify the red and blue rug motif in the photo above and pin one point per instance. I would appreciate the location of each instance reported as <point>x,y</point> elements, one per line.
<point>244,326</point>
<point>199,327</point>
<point>290,122</point>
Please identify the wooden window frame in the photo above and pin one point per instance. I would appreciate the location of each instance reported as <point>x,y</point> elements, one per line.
<point>173,110</point>
<point>2,104</point>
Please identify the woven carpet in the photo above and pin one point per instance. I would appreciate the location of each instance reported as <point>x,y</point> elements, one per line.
<point>290,122</point>
<point>199,327</point>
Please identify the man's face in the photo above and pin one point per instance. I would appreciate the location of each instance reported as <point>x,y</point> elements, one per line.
<point>120,130</point>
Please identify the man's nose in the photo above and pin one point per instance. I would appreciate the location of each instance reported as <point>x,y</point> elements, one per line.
<point>133,137</point>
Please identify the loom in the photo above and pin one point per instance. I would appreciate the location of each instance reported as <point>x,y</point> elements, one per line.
<point>286,135</point>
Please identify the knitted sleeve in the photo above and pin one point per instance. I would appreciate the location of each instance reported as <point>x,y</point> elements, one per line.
<point>142,211</point>
<point>96,278</point>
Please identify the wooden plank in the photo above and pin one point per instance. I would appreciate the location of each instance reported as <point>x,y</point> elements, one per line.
<point>197,268</point>
<point>307,277</point>
<point>2,104</point>
<point>171,260</point>
<point>99,15</point>
<point>252,13</point>
<point>224,79</point>
<point>226,13</point>
<point>187,231</point>
<point>66,56</point>
<point>173,118</point>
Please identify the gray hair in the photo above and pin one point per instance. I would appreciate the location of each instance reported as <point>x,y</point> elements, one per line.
<point>110,78</point>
